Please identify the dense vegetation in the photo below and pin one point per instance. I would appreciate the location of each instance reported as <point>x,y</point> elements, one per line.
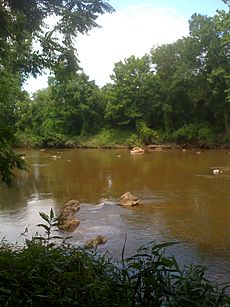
<point>180,92</point>
<point>44,274</point>
<point>35,35</point>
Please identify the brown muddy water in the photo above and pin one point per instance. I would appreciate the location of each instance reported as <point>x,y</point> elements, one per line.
<point>181,200</point>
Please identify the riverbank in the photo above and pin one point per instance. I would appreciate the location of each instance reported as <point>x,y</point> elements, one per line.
<point>121,139</point>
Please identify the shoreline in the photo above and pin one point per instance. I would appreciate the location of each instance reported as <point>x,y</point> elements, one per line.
<point>148,147</point>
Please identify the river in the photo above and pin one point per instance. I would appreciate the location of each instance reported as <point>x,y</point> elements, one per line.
<point>181,200</point>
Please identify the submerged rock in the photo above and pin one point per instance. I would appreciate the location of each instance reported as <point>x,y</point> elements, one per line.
<point>129,200</point>
<point>94,242</point>
<point>67,220</point>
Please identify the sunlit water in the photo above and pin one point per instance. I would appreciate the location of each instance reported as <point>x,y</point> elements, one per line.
<point>181,200</point>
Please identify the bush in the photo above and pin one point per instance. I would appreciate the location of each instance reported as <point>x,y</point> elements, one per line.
<point>146,135</point>
<point>225,139</point>
<point>44,274</point>
<point>111,137</point>
<point>54,139</point>
<point>196,134</point>
<point>185,134</point>
<point>133,141</point>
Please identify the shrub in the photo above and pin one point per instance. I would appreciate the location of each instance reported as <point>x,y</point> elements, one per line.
<point>197,134</point>
<point>111,137</point>
<point>146,134</point>
<point>206,136</point>
<point>42,273</point>
<point>133,141</point>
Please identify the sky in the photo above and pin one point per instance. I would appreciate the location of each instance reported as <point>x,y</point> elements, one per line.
<point>135,28</point>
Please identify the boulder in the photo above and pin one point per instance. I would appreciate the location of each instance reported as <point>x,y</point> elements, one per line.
<point>94,242</point>
<point>137,150</point>
<point>217,171</point>
<point>67,220</point>
<point>69,225</point>
<point>129,200</point>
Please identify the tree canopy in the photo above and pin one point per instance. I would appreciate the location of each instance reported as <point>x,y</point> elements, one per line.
<point>179,92</point>
<point>36,34</point>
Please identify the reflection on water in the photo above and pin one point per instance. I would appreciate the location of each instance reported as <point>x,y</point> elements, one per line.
<point>182,200</point>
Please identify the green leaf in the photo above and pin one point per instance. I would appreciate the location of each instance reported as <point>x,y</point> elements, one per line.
<point>51,214</point>
<point>44,216</point>
<point>47,228</point>
<point>163,245</point>
<point>7,291</point>
<point>167,262</point>
<point>135,266</point>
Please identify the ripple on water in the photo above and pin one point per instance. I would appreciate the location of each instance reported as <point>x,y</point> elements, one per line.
<point>39,164</point>
<point>214,177</point>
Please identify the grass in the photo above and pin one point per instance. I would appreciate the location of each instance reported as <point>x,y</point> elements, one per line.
<point>111,138</point>
<point>44,273</point>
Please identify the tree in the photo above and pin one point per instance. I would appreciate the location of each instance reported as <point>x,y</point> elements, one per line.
<point>8,159</point>
<point>9,94</point>
<point>130,99</point>
<point>78,102</point>
<point>37,120</point>
<point>176,67</point>
<point>194,75</point>
<point>24,24</point>
<point>212,34</point>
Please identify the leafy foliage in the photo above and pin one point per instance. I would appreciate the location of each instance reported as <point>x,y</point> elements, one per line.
<point>42,273</point>
<point>28,44</point>
<point>179,92</point>
<point>78,101</point>
<point>130,99</point>
<point>25,22</point>
<point>8,159</point>
<point>146,134</point>
<point>195,134</point>
<point>111,138</point>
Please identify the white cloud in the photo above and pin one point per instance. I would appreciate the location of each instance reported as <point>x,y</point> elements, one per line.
<point>32,85</point>
<point>132,31</point>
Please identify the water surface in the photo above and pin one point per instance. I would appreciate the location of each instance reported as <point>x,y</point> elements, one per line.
<point>181,200</point>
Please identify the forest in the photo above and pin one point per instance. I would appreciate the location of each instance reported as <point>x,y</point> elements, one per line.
<point>179,92</point>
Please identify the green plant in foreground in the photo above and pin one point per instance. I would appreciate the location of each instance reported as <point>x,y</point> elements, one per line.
<point>52,223</point>
<point>42,273</point>
<point>157,280</point>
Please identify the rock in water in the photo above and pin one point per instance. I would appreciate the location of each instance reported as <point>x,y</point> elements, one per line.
<point>137,150</point>
<point>217,171</point>
<point>93,243</point>
<point>129,200</point>
<point>67,220</point>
